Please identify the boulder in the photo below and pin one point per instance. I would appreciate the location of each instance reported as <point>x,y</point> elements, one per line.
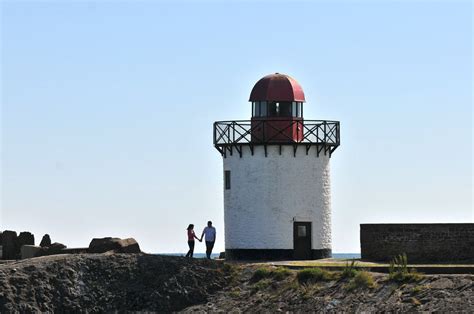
<point>101,245</point>
<point>26,238</point>
<point>10,248</point>
<point>55,248</point>
<point>29,251</point>
<point>45,241</point>
<point>129,245</point>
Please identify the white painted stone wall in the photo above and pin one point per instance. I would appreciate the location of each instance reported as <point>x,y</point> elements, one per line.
<point>268,193</point>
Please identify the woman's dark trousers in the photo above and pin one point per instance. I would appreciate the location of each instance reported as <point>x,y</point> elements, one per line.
<point>191,249</point>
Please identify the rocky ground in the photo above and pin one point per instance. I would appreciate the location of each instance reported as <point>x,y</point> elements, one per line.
<point>108,282</point>
<point>140,282</point>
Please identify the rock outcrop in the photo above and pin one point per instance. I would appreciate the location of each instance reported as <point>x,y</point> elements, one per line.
<point>55,248</point>
<point>26,238</point>
<point>108,283</point>
<point>10,247</point>
<point>45,241</point>
<point>101,245</point>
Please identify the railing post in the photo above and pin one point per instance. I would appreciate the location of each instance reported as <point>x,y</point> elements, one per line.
<point>214,133</point>
<point>338,134</point>
<point>325,132</point>
<point>233,131</point>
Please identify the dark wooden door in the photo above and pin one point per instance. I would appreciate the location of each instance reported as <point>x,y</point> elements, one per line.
<point>302,240</point>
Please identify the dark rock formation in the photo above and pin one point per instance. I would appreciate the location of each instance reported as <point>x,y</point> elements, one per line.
<point>102,283</point>
<point>55,248</point>
<point>11,250</point>
<point>101,245</point>
<point>45,241</point>
<point>26,238</point>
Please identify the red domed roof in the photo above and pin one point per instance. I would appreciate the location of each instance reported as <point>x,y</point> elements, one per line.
<point>277,87</point>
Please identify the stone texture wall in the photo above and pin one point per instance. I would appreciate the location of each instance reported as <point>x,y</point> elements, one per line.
<point>423,243</point>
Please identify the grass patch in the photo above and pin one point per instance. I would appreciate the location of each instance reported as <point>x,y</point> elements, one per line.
<point>419,288</point>
<point>261,273</point>
<point>399,272</point>
<point>278,273</point>
<point>349,270</point>
<point>312,275</point>
<point>261,285</point>
<point>362,279</point>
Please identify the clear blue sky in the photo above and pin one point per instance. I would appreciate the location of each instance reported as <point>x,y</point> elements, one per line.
<point>107,111</point>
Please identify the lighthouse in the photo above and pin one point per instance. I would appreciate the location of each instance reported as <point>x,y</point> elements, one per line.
<point>277,195</point>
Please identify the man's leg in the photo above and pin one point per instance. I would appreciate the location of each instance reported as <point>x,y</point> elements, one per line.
<point>208,249</point>
<point>211,246</point>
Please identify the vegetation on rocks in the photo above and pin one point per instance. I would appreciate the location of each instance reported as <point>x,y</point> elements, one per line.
<point>399,272</point>
<point>349,270</point>
<point>362,279</point>
<point>311,275</point>
<point>277,273</point>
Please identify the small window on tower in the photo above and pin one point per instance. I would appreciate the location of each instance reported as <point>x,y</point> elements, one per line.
<point>227,179</point>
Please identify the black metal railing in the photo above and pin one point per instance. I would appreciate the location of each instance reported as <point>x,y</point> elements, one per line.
<point>276,132</point>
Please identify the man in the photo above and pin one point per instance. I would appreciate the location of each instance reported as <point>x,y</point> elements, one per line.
<point>210,233</point>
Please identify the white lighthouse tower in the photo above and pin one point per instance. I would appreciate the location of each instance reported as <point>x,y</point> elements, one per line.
<point>277,198</point>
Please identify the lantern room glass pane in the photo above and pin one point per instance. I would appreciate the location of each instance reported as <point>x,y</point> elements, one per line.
<point>272,110</point>
<point>279,109</point>
<point>285,109</point>
<point>263,108</point>
<point>300,109</point>
<point>294,112</point>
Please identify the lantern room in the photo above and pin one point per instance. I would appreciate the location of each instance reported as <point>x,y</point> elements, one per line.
<point>277,110</point>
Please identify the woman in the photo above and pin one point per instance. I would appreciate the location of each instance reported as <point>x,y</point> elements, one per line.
<point>191,237</point>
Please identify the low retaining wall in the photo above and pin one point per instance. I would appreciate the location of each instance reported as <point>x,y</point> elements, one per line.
<point>423,243</point>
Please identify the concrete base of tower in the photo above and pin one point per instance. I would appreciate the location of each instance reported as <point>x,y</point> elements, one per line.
<point>271,254</point>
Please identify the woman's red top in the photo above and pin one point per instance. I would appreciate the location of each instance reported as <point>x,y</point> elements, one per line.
<point>190,235</point>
